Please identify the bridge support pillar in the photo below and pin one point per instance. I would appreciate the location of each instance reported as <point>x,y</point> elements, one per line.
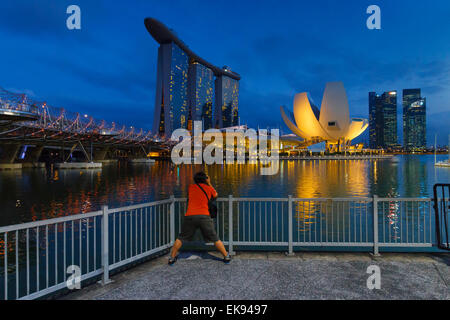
<point>100,155</point>
<point>34,154</point>
<point>9,153</point>
<point>137,153</point>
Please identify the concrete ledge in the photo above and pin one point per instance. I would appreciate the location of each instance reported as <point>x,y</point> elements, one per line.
<point>282,256</point>
<point>33,165</point>
<point>406,258</point>
<point>323,256</point>
<point>10,166</point>
<point>250,255</point>
<point>142,161</point>
<point>78,165</point>
<point>110,161</point>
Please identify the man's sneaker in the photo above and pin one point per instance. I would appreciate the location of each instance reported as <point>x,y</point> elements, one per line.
<point>172,260</point>
<point>227,259</point>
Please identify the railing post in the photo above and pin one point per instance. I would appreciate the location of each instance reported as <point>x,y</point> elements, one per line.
<point>105,246</point>
<point>172,219</point>
<point>230,225</point>
<point>375,225</point>
<point>290,227</point>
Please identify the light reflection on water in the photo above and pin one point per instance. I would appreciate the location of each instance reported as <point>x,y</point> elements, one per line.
<point>34,194</point>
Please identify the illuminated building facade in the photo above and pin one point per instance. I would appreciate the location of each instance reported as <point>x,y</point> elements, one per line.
<point>171,105</point>
<point>332,123</point>
<point>185,86</point>
<point>227,99</point>
<point>201,94</point>
<point>414,120</point>
<point>383,120</point>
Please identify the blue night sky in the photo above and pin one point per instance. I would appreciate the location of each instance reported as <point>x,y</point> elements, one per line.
<point>108,68</point>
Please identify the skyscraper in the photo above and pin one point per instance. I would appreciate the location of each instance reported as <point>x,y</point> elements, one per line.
<point>374,138</point>
<point>414,120</point>
<point>185,86</point>
<point>383,119</point>
<point>226,108</point>
<point>171,105</point>
<point>201,94</point>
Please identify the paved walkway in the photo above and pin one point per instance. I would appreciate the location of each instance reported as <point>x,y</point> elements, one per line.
<point>276,276</point>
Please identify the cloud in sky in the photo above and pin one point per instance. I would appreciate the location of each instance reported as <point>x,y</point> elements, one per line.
<point>108,69</point>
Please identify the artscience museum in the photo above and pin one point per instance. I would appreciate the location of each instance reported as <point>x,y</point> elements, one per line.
<point>331,123</point>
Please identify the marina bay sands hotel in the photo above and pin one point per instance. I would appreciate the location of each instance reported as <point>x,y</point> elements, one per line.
<point>187,87</point>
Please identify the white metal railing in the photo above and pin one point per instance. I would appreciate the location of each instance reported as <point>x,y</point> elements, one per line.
<point>35,256</point>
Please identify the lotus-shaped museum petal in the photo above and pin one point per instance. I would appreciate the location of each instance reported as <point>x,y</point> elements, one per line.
<point>331,123</point>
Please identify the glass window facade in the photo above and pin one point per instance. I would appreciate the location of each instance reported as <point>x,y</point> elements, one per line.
<point>373,120</point>
<point>227,100</point>
<point>185,91</point>
<point>414,120</point>
<point>383,119</point>
<point>178,85</point>
<point>171,106</point>
<point>201,94</point>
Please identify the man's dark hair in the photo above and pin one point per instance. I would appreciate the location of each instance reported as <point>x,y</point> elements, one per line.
<point>200,177</point>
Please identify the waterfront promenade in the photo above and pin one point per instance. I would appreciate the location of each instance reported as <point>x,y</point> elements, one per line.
<point>103,243</point>
<point>306,275</point>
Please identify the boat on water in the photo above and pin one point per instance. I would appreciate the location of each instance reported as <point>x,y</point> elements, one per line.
<point>445,163</point>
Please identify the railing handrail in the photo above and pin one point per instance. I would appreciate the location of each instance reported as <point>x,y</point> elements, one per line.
<point>51,221</point>
<point>405,199</point>
<point>138,206</point>
<point>335,199</point>
<point>127,234</point>
<point>34,224</point>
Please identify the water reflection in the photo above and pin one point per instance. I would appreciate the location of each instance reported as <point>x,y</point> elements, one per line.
<point>415,174</point>
<point>32,194</point>
<point>313,179</point>
<point>384,178</point>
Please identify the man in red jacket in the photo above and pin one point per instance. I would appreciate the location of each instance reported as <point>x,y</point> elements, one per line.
<point>197,216</point>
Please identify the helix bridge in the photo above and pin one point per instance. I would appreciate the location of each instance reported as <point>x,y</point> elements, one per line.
<point>24,121</point>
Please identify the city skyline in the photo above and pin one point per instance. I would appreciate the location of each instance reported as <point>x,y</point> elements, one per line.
<point>384,123</point>
<point>104,69</point>
<point>297,135</point>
